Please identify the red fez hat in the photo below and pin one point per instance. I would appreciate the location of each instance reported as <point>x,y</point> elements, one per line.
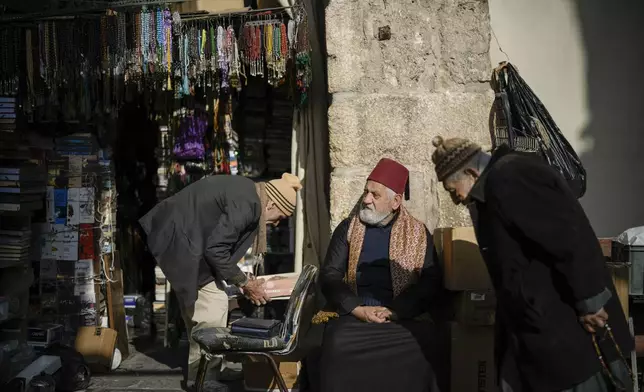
<point>393,175</point>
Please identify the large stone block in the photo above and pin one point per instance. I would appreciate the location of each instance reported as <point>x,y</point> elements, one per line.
<point>437,44</point>
<point>363,128</point>
<point>465,33</point>
<point>344,45</point>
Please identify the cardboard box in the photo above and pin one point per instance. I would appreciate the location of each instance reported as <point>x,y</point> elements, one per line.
<point>97,346</point>
<point>463,265</point>
<point>474,307</point>
<point>259,377</point>
<point>621,278</point>
<point>472,359</point>
<point>213,6</point>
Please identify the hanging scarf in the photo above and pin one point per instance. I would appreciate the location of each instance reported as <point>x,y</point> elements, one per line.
<point>259,244</point>
<point>407,248</point>
<point>189,143</point>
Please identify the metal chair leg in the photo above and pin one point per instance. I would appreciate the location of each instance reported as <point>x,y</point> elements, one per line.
<point>276,371</point>
<point>201,372</point>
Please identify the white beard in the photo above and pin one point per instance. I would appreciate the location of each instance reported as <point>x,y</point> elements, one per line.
<point>372,217</point>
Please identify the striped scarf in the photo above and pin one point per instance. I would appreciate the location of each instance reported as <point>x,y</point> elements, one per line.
<point>407,248</point>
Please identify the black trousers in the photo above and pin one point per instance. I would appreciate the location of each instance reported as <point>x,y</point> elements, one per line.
<point>396,356</point>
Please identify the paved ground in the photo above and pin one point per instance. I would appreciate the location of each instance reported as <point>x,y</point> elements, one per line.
<point>151,367</point>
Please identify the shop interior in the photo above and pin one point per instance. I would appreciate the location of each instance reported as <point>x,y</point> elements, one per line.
<point>103,114</point>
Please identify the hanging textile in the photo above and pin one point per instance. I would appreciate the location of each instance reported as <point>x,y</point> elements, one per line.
<point>189,140</point>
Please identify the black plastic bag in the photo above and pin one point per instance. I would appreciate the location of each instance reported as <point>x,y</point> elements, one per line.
<point>74,374</point>
<point>523,123</point>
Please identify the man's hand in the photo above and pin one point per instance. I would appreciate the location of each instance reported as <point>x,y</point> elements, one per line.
<point>255,291</point>
<point>592,322</point>
<point>370,314</point>
<point>387,314</point>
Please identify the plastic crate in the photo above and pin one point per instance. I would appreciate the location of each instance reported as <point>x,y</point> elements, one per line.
<point>634,255</point>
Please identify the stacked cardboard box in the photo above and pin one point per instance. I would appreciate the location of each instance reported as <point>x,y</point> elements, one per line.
<point>473,305</point>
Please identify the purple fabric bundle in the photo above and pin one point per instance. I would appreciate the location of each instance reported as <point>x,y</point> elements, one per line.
<point>190,139</point>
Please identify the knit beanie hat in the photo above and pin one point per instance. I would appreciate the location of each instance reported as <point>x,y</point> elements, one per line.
<point>451,154</point>
<point>282,192</point>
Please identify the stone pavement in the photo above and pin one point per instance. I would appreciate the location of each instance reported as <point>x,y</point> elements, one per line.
<point>150,367</point>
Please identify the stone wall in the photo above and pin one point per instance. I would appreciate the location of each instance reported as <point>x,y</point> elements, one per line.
<point>390,97</point>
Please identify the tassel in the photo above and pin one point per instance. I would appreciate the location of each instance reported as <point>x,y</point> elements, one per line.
<point>323,317</point>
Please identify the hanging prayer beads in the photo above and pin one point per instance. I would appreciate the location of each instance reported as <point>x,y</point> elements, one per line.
<point>87,62</point>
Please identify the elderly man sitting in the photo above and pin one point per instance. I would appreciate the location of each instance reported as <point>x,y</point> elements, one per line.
<point>379,275</point>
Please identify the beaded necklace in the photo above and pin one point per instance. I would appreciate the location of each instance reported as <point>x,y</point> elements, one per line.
<point>303,59</point>
<point>202,50</point>
<point>30,70</point>
<point>160,40</point>
<point>138,41</point>
<point>268,42</point>
<point>213,49</point>
<point>41,53</point>
<point>167,25</point>
<point>178,68</point>
<point>221,56</point>
<point>122,44</point>
<point>152,41</point>
<point>186,64</point>
<point>145,40</point>
<point>284,42</point>
<point>55,50</point>
<point>259,50</point>
<point>233,58</point>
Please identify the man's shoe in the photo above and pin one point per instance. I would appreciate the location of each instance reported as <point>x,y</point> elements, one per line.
<point>214,386</point>
<point>208,386</point>
<point>229,374</point>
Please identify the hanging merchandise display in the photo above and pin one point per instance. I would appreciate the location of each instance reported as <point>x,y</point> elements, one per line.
<point>190,136</point>
<point>232,140</point>
<point>302,57</point>
<point>74,68</point>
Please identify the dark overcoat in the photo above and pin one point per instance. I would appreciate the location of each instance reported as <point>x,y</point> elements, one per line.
<point>547,268</point>
<point>200,234</point>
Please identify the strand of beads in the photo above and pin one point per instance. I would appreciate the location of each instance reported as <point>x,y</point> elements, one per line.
<point>186,65</point>
<point>160,41</point>
<point>213,49</point>
<point>221,55</point>
<point>167,26</point>
<point>145,38</point>
<point>152,40</point>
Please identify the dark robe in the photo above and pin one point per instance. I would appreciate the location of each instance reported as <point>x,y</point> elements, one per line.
<point>547,269</point>
<point>200,234</point>
<point>358,356</point>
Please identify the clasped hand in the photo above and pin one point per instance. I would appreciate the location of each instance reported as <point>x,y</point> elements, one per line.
<point>372,314</point>
<point>255,291</point>
<point>593,322</point>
